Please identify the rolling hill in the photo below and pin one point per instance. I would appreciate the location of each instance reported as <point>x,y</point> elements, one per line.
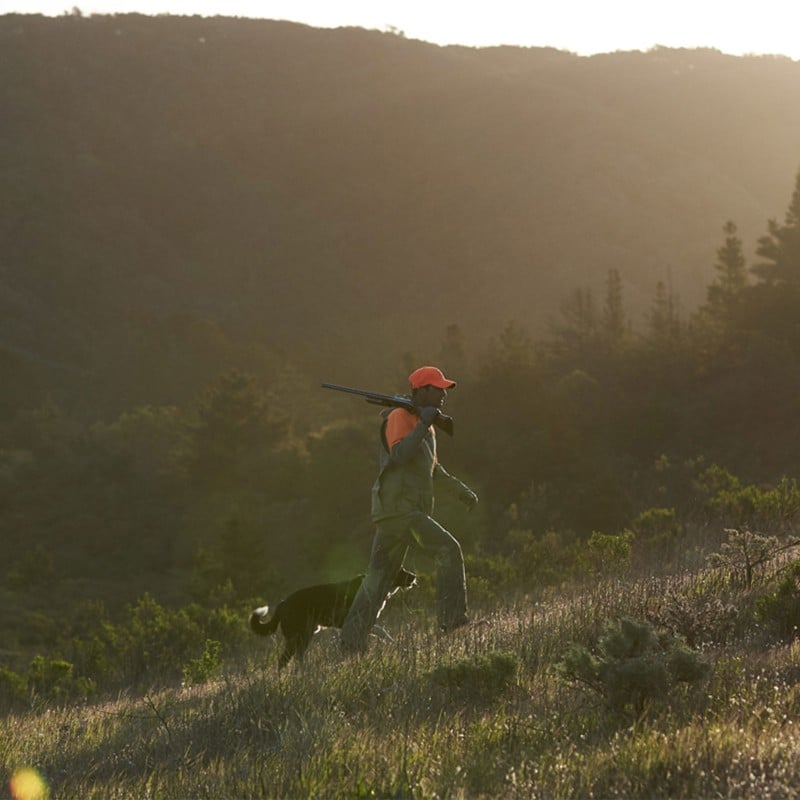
<point>344,195</point>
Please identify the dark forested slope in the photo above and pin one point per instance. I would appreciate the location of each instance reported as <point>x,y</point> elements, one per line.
<point>347,194</point>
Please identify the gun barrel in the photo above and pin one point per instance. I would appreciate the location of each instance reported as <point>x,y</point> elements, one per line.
<point>363,393</point>
<point>392,400</point>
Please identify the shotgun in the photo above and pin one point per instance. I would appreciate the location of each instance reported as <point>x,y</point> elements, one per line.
<point>393,401</point>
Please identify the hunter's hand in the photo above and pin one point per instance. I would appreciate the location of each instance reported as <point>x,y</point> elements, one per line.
<point>468,498</point>
<point>428,415</point>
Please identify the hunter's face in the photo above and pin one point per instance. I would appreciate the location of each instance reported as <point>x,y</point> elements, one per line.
<point>430,396</point>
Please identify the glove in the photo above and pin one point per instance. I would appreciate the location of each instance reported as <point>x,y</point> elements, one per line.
<point>428,415</point>
<point>468,498</point>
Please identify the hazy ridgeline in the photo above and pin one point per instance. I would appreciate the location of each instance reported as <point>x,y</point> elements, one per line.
<point>202,226</point>
<point>184,194</point>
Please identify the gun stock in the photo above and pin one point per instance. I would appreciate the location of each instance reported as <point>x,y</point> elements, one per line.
<point>393,401</point>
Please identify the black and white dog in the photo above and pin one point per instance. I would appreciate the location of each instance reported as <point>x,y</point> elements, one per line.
<point>307,610</point>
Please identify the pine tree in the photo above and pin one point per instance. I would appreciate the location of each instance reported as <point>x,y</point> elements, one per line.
<point>772,305</point>
<point>781,247</point>
<point>663,319</point>
<point>452,355</point>
<point>731,273</point>
<point>233,430</point>
<point>613,310</point>
<point>577,327</point>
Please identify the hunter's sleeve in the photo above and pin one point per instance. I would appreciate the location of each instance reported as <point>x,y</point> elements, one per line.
<point>456,487</point>
<point>452,483</point>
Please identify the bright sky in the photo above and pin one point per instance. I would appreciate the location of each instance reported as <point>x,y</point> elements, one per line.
<point>582,26</point>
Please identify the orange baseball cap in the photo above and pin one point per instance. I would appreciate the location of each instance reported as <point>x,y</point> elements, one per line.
<point>430,376</point>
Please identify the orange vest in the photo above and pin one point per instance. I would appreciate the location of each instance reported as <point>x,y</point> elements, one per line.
<point>404,487</point>
<point>398,425</point>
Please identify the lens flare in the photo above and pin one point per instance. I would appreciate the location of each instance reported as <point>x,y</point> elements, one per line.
<point>28,784</point>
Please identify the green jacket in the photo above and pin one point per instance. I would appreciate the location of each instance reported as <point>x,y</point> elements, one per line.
<point>406,475</point>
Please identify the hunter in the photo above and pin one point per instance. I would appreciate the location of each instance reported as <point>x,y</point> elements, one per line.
<point>402,504</point>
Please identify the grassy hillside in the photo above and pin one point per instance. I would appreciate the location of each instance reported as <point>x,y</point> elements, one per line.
<point>487,712</point>
<point>301,190</point>
<point>203,219</point>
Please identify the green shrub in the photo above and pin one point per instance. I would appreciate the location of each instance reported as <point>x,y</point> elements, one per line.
<point>13,688</point>
<point>607,555</point>
<point>156,642</point>
<point>490,577</point>
<point>699,617</point>
<point>153,643</point>
<point>206,666</point>
<point>53,679</point>
<point>658,535</point>
<point>487,674</point>
<point>751,506</point>
<point>715,480</point>
<point>745,554</point>
<point>780,610</point>
<point>655,523</point>
<point>634,666</point>
<point>541,559</point>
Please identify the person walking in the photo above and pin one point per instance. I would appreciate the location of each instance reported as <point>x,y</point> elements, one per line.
<point>402,505</point>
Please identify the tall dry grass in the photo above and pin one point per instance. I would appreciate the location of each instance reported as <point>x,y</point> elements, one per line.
<point>478,713</point>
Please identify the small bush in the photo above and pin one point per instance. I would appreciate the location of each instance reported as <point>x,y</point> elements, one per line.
<point>13,688</point>
<point>658,536</point>
<point>634,667</point>
<point>490,576</point>
<point>700,617</point>
<point>780,610</point>
<point>206,666</point>
<point>608,555</point>
<point>53,679</point>
<point>544,559</point>
<point>487,674</point>
<point>155,643</point>
<point>745,554</point>
<point>751,506</point>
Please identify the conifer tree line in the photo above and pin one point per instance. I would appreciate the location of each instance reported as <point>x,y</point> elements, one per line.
<point>607,426</point>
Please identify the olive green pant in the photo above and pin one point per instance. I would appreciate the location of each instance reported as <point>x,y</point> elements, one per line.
<point>393,537</point>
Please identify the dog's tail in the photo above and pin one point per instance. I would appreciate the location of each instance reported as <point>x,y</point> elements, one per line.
<point>259,625</point>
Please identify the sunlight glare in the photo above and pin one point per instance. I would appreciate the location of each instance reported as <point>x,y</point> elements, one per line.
<point>28,784</point>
